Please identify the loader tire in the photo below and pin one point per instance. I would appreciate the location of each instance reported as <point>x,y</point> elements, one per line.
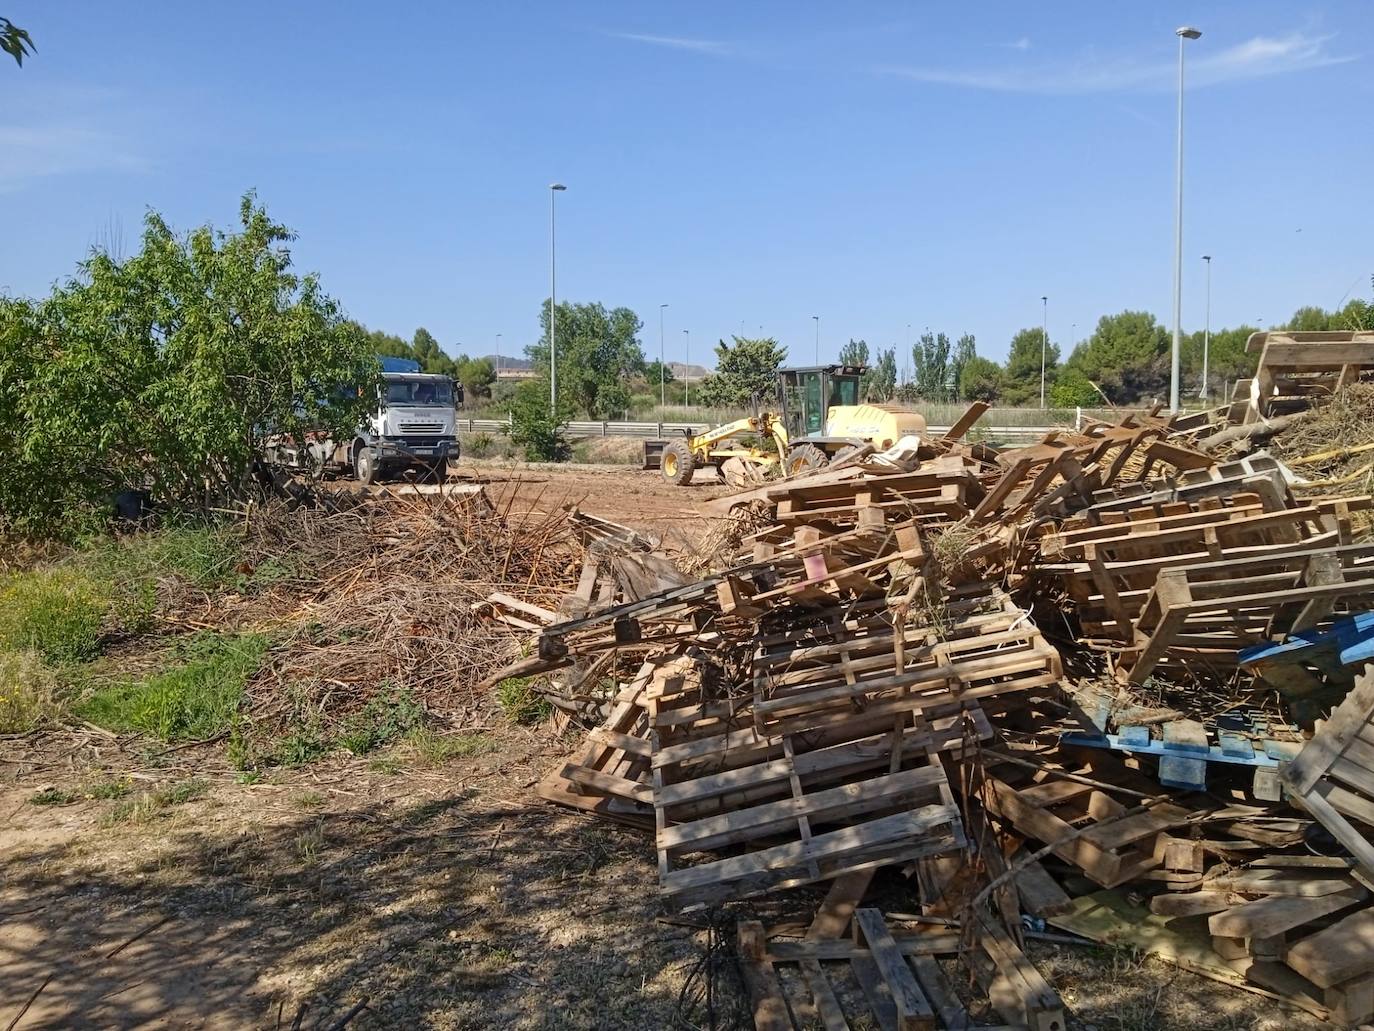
<point>805,458</point>
<point>678,463</point>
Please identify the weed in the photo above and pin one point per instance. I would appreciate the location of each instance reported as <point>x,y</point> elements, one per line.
<point>385,764</point>
<point>307,800</point>
<point>265,575</point>
<point>309,843</point>
<point>387,716</point>
<point>99,790</point>
<point>250,777</point>
<point>521,702</point>
<point>28,693</point>
<point>191,701</point>
<point>55,612</point>
<point>479,445</point>
<point>151,804</point>
<point>304,744</point>
<point>52,795</point>
<point>433,749</point>
<point>197,553</point>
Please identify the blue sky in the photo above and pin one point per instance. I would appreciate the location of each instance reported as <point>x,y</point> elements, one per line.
<point>879,165</point>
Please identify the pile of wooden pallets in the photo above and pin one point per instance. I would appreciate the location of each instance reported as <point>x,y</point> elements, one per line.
<point>1295,370</point>
<point>874,680</point>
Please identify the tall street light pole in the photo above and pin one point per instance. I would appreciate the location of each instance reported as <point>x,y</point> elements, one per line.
<point>498,355</point>
<point>1184,33</point>
<point>1206,328</point>
<point>687,370</point>
<point>554,190</point>
<point>817,320</point>
<point>662,366</point>
<point>1044,343</point>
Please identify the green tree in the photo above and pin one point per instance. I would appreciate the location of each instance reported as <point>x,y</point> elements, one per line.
<point>1227,360</point>
<point>746,370</point>
<point>654,369</point>
<point>15,41</point>
<point>598,350</point>
<point>880,382</point>
<point>534,427</point>
<point>1311,319</point>
<point>166,370</point>
<point>1021,381</point>
<point>1127,356</point>
<point>980,379</point>
<point>426,350</point>
<point>854,353</point>
<point>477,375</point>
<point>930,362</point>
<point>1072,389</point>
<point>965,349</point>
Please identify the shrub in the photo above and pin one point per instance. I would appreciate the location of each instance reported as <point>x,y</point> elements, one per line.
<point>55,612</point>
<point>521,702</point>
<point>479,445</point>
<point>28,693</point>
<point>193,700</point>
<point>534,428</point>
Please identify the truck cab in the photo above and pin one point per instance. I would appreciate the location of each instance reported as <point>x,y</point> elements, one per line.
<point>415,425</point>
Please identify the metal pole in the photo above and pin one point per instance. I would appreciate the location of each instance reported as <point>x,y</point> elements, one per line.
<point>1207,327</point>
<point>687,370</point>
<point>662,366</point>
<point>1182,33</point>
<point>554,190</point>
<point>1044,343</point>
<point>817,320</point>
<point>498,354</point>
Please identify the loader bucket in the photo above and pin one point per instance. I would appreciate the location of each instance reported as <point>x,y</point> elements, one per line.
<point>653,453</point>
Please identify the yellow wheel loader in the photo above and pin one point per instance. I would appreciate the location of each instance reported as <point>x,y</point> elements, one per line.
<point>818,416</point>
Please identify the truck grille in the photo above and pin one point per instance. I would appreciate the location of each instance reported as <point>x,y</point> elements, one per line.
<point>423,428</point>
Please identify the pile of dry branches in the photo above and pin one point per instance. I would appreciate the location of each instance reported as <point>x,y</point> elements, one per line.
<point>390,606</point>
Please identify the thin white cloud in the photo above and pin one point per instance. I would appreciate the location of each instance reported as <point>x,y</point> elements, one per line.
<point>30,152</point>
<point>700,46</point>
<point>1023,44</point>
<point>1255,58</point>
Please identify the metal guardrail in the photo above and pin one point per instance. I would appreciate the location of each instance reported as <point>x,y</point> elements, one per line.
<point>660,430</point>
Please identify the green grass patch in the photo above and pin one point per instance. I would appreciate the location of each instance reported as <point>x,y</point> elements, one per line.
<point>151,804</point>
<point>55,612</point>
<point>387,716</point>
<point>99,789</point>
<point>192,700</point>
<point>29,695</point>
<point>200,554</point>
<point>433,749</point>
<point>521,702</point>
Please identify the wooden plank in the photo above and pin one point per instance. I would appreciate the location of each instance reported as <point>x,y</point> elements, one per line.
<point>914,1012</point>
<point>765,989</point>
<point>823,997</point>
<point>845,894</point>
<point>1343,951</point>
<point>1277,914</point>
<point>1195,903</point>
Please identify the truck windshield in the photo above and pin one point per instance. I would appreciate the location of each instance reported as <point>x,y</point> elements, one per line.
<point>418,392</point>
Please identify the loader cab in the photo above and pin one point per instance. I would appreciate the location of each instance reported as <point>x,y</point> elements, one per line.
<point>806,394</point>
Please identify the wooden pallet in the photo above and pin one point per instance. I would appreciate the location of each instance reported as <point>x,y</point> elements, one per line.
<point>889,978</point>
<point>1050,810</point>
<point>1333,775</point>
<point>949,652</point>
<point>1296,370</point>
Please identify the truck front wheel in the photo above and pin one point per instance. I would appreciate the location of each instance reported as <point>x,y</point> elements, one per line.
<point>365,466</point>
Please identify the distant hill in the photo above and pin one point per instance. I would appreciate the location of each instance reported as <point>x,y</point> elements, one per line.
<point>509,361</point>
<point>680,371</point>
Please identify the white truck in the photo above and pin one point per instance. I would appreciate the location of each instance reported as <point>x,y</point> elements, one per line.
<point>415,427</point>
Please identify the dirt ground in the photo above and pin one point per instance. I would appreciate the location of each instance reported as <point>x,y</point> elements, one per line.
<point>161,889</point>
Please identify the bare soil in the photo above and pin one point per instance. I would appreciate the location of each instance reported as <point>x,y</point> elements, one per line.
<point>440,895</point>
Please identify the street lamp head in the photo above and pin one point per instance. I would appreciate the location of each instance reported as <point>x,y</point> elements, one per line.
<point>557,186</point>
<point>1045,300</point>
<point>1206,257</point>
<point>1188,32</point>
<point>663,305</point>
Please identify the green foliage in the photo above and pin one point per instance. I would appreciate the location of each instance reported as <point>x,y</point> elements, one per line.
<point>433,749</point>
<point>598,350</point>
<point>521,702</point>
<point>57,613</point>
<point>1311,319</point>
<point>965,350</point>
<point>426,350</point>
<point>165,370</point>
<point>931,367</point>
<point>746,371</point>
<point>387,716</point>
<point>1021,381</point>
<point>1127,357</point>
<point>477,376</point>
<point>15,41</point>
<point>854,353</point>
<point>1073,389</point>
<point>880,382</point>
<point>151,804</point>
<point>653,370</point>
<point>980,379</point>
<point>28,693</point>
<point>534,428</point>
<point>194,699</point>
<point>1227,360</point>
<point>100,789</point>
